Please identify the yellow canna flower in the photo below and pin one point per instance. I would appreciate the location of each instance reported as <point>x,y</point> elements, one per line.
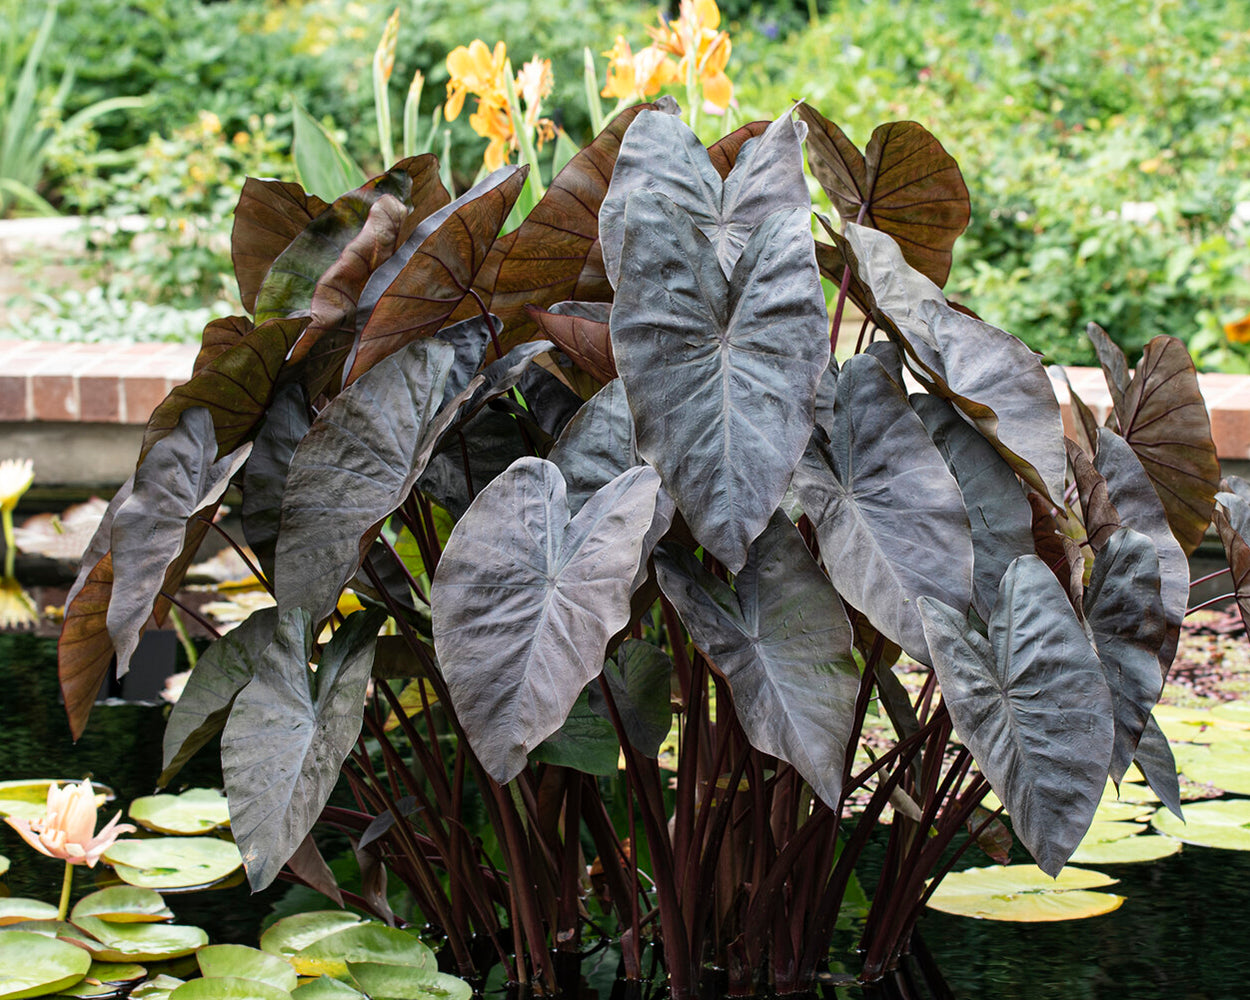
<point>694,36</point>
<point>1238,331</point>
<point>632,76</point>
<point>16,475</point>
<point>492,121</point>
<point>533,83</point>
<point>67,828</point>
<point>477,70</point>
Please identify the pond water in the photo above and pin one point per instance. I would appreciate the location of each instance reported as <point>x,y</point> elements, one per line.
<point>1180,935</point>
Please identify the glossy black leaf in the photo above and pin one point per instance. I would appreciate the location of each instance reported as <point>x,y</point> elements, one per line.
<point>525,599</point>
<point>1031,704</point>
<point>289,732</point>
<point>720,373</point>
<point>660,153</point>
<point>782,641</point>
<point>888,513</point>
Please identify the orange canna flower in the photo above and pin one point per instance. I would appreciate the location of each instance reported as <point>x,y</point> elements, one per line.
<point>492,121</point>
<point>632,76</point>
<point>694,36</point>
<point>476,70</point>
<point>67,828</point>
<point>1238,331</point>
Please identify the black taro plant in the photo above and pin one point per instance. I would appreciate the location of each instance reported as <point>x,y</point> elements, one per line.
<point>676,515</point>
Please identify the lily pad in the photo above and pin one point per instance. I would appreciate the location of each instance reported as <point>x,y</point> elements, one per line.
<point>170,863</point>
<point>141,942</point>
<point>295,933</point>
<point>1224,765</point>
<point>1132,792</point>
<point>197,810</point>
<point>123,904</point>
<point>1130,850</point>
<point>326,988</point>
<point>367,942</point>
<point>237,961</point>
<point>399,982</point>
<point>1025,893</point>
<point>228,988</point>
<point>4,864</point>
<point>1107,831</point>
<point>1112,810</point>
<point>32,965</point>
<point>159,988</point>
<point>17,909</point>
<point>1223,823</point>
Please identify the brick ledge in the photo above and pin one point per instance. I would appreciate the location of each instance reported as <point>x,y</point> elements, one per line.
<point>109,384</point>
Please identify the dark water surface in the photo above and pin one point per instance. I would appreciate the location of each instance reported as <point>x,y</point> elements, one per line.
<point>1183,933</point>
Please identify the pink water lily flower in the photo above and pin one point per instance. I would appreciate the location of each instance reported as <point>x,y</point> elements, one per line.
<point>67,828</point>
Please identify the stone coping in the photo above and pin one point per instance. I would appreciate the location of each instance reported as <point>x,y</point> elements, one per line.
<point>52,385</point>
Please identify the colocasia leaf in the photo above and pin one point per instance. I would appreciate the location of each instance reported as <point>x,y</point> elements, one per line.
<point>906,185</point>
<point>783,642</point>
<point>1031,703</point>
<point>639,677</point>
<point>721,374</point>
<point>289,732</point>
<point>526,598</point>
<point>661,154</point>
<point>1158,766</point>
<point>580,330</point>
<point>990,376</point>
<point>267,219</point>
<point>888,513</point>
<point>176,479</point>
<point>1232,521</point>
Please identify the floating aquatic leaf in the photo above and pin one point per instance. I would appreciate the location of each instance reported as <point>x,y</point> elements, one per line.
<point>32,965</point>
<point>402,982</point>
<point>1222,823</point>
<point>295,933</point>
<point>1025,893</point>
<point>169,863</point>
<point>15,909</point>
<point>123,904</point>
<point>1224,764</point>
<point>241,962</point>
<point>138,942</point>
<point>197,810</point>
<point>326,988</point>
<point>367,942</point>
<point>1129,850</point>
<point>228,988</point>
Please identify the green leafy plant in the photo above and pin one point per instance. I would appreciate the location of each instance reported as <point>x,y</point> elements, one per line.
<point>676,506</point>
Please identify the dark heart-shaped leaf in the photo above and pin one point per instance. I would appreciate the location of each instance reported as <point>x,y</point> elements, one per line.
<point>1139,507</point>
<point>437,276</point>
<point>84,650</point>
<point>218,337</point>
<point>782,641</point>
<point>221,673</point>
<point>661,154</point>
<point>1165,421</point>
<point>724,152</point>
<point>1158,766</point>
<point>474,454</point>
<point>1125,617</point>
<point>1232,521</point>
<point>235,387</point>
<point>469,338</point>
<point>580,330</point>
<point>292,278</point>
<point>334,298</point>
<point>1114,364</point>
<point>289,732</point>
<point>586,741</point>
<point>597,445</point>
<point>267,219</point>
<point>177,479</point>
<point>264,476</point>
<point>888,513</point>
<point>525,599</point>
<point>495,380</point>
<point>721,374</point>
<point>554,255</point>
<point>998,511</point>
<point>639,677</point>
<point>904,184</point>
<point>355,466</point>
<point>1098,512</point>
<point>990,376</point>
<point>1031,704</point>
<point>548,397</point>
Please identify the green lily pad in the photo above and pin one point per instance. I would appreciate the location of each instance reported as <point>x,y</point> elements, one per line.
<point>1224,765</point>
<point>197,810</point>
<point>1122,812</point>
<point>228,988</point>
<point>1130,850</point>
<point>295,933</point>
<point>160,988</point>
<point>104,980</point>
<point>1024,893</point>
<point>1106,831</point>
<point>221,961</point>
<point>1233,711</point>
<point>123,904</point>
<point>141,942</point>
<point>54,929</point>
<point>1131,792</point>
<point>4,864</point>
<point>32,965</point>
<point>367,942</point>
<point>173,862</point>
<point>17,909</point>
<point>1223,823</point>
<point>325,988</point>
<point>399,982</point>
